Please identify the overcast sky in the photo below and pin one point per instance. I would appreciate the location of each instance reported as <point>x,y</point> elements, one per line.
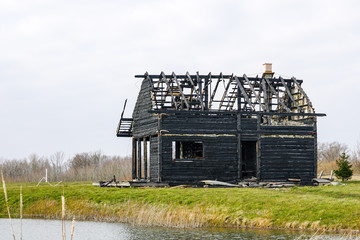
<point>66,67</point>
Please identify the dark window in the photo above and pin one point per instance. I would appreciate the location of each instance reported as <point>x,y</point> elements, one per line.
<point>187,150</point>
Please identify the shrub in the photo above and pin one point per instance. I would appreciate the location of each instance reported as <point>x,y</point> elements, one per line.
<point>344,170</point>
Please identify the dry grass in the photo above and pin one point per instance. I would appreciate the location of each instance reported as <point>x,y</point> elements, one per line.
<point>144,214</point>
<point>327,167</point>
<point>47,208</point>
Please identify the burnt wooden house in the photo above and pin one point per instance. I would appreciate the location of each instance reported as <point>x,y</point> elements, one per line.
<point>192,127</point>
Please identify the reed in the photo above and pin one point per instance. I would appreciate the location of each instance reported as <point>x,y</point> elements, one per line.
<point>21,211</point>
<point>63,230</point>
<point>72,228</point>
<point>7,204</point>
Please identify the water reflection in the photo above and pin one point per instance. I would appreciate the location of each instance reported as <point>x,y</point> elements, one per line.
<point>34,229</point>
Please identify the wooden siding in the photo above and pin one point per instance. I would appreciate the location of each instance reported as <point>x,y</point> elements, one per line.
<point>154,159</point>
<point>145,123</point>
<point>199,124</point>
<point>248,124</point>
<point>219,161</point>
<point>287,152</point>
<point>294,130</point>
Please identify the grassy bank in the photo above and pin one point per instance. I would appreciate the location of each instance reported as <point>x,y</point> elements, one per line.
<point>318,208</point>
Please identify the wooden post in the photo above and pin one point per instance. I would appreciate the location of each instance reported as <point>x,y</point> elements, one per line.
<point>258,149</point>
<point>139,160</point>
<point>315,147</point>
<point>206,91</point>
<point>145,159</point>
<point>134,159</point>
<point>239,145</point>
<point>199,83</point>
<point>159,149</point>
<point>159,157</point>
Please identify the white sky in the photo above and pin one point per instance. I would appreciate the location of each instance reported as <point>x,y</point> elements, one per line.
<point>66,67</point>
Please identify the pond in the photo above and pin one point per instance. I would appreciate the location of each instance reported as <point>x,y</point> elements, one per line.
<point>36,229</point>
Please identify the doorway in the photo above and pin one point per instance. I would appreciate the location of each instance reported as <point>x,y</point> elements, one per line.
<point>248,159</point>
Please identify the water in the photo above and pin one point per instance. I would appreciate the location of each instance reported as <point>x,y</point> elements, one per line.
<point>35,229</point>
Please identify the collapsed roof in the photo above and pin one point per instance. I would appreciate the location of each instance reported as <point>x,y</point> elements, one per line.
<point>228,93</point>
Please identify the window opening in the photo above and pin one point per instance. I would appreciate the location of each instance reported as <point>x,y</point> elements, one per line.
<point>187,150</point>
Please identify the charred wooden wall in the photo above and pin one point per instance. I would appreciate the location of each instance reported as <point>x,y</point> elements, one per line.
<point>199,123</point>
<point>219,161</point>
<point>144,123</point>
<point>218,136</point>
<point>288,152</point>
<point>154,159</point>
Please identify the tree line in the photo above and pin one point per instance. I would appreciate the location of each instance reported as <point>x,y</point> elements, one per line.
<point>90,166</point>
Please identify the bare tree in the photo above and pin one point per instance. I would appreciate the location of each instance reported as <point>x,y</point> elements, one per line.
<point>355,158</point>
<point>329,152</point>
<point>356,153</point>
<point>57,161</point>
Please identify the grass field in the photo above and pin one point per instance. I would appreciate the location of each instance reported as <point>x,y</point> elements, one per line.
<point>319,208</point>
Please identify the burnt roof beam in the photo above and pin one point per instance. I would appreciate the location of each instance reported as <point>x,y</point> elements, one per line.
<point>220,78</point>
<point>303,92</point>
<point>276,93</point>
<point>225,93</point>
<point>208,82</point>
<point>195,89</point>
<point>263,85</point>
<point>199,90</point>
<point>180,90</point>
<point>181,76</point>
<point>289,93</point>
<point>243,92</point>
<point>256,94</point>
<point>169,89</point>
<point>211,112</point>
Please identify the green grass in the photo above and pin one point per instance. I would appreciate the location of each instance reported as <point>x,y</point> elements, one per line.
<point>325,208</point>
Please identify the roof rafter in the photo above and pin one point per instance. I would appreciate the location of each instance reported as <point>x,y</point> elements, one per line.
<point>289,93</point>
<point>181,92</point>
<point>244,94</point>
<point>169,89</point>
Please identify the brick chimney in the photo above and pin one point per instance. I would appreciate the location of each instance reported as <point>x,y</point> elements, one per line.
<point>268,73</point>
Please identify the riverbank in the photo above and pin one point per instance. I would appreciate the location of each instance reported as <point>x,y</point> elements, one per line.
<point>330,208</point>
